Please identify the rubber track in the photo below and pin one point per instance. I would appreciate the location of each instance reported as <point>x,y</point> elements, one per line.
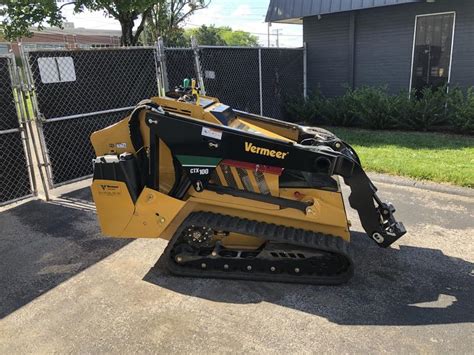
<point>269,232</point>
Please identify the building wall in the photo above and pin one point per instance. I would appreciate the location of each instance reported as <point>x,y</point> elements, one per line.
<point>383,46</point>
<point>328,52</point>
<point>46,39</point>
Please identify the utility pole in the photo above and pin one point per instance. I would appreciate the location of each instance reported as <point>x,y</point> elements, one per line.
<point>268,33</point>
<point>277,31</point>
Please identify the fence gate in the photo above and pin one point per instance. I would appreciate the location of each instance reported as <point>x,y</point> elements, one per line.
<point>77,92</point>
<point>15,179</point>
<point>256,80</point>
<point>282,78</point>
<point>179,64</point>
<point>232,75</point>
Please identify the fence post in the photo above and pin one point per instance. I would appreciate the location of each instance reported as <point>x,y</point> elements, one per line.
<point>197,64</point>
<point>260,78</point>
<point>29,97</point>
<point>162,60</point>
<point>305,69</point>
<point>159,77</point>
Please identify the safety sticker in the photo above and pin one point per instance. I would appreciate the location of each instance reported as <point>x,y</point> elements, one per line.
<point>211,133</point>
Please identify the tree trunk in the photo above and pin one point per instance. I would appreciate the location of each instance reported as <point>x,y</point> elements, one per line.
<point>127,38</point>
<point>127,23</point>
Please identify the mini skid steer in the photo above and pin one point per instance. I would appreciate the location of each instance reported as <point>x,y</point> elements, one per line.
<point>237,195</point>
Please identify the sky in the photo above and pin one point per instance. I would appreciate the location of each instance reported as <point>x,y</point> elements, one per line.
<point>246,15</point>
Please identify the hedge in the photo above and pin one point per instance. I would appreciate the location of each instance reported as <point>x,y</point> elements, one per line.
<point>374,108</point>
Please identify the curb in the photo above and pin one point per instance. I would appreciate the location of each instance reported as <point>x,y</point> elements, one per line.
<point>423,185</point>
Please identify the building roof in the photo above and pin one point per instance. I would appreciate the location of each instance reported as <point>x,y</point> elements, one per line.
<point>292,11</point>
<point>78,31</point>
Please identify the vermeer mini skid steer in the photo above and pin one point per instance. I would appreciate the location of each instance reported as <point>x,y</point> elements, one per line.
<point>237,195</point>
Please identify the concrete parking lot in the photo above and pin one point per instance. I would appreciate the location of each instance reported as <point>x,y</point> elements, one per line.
<point>66,289</point>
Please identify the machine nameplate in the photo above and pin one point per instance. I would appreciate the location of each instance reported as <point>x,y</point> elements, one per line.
<point>251,148</point>
<point>211,133</point>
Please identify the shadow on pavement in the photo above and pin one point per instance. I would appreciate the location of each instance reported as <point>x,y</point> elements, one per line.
<point>44,244</point>
<point>410,286</point>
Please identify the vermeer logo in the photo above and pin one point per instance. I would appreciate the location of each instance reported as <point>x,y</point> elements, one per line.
<point>109,187</point>
<point>249,147</point>
<point>109,190</point>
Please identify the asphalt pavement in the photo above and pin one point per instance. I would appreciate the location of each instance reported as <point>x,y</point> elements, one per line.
<point>64,288</point>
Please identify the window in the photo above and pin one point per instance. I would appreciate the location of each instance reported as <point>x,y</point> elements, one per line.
<point>100,45</point>
<point>83,46</point>
<point>432,51</point>
<point>39,46</point>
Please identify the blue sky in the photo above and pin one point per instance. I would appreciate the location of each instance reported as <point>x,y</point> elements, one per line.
<point>247,15</point>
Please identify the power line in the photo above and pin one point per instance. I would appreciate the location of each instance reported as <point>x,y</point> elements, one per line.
<point>253,33</point>
<point>275,34</point>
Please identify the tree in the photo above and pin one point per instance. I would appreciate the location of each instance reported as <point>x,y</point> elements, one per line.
<point>239,38</point>
<point>20,15</point>
<point>126,12</point>
<point>167,17</point>
<point>207,35</point>
<point>222,36</point>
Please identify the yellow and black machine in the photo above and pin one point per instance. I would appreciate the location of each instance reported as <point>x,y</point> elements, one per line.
<point>237,195</point>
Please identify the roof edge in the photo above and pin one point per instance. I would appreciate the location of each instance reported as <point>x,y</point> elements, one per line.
<point>287,11</point>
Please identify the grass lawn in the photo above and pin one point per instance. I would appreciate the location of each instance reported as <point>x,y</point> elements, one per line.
<point>425,156</point>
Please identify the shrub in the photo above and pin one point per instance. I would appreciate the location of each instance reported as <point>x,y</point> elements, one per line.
<point>374,108</point>
<point>424,112</point>
<point>339,111</point>
<point>299,109</point>
<point>461,110</point>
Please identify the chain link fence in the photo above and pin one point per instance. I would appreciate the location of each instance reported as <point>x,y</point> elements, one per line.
<point>78,92</point>
<point>8,119</point>
<point>256,80</point>
<point>84,81</point>
<point>15,179</point>
<point>179,64</point>
<point>232,75</point>
<point>70,152</point>
<point>282,78</point>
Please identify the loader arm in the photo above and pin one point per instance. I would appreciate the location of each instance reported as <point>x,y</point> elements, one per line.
<point>200,146</point>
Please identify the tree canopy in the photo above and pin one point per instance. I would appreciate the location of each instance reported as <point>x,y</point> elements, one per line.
<point>157,18</point>
<point>239,38</point>
<point>167,18</point>
<point>222,36</point>
<point>20,15</point>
